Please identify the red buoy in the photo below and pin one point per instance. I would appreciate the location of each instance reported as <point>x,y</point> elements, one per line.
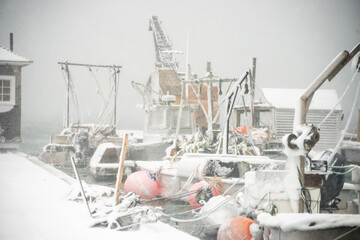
<point>142,183</point>
<point>237,228</point>
<point>201,192</point>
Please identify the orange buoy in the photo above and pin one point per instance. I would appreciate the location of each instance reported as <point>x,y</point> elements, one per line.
<point>237,228</point>
<point>201,192</point>
<point>142,183</point>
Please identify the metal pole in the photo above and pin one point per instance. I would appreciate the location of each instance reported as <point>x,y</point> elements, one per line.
<point>209,102</point>
<point>90,65</point>
<point>115,96</point>
<point>67,124</point>
<point>226,128</point>
<point>252,91</point>
<point>210,112</point>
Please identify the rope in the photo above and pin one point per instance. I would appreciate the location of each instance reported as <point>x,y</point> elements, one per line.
<point>347,124</point>
<point>206,214</point>
<point>340,99</point>
<point>97,83</point>
<point>351,168</point>
<point>73,95</point>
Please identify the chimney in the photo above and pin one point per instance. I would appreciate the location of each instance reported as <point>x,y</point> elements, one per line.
<point>208,66</point>
<point>11,42</point>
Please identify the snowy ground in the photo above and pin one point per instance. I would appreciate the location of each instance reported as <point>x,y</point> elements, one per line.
<point>33,205</point>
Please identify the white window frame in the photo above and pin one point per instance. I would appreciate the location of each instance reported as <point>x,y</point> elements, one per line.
<point>12,90</point>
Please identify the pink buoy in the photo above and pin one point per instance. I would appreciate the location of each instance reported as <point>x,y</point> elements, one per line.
<point>237,228</point>
<point>142,183</point>
<point>201,192</point>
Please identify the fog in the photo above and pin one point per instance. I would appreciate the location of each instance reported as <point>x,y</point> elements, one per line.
<point>293,42</point>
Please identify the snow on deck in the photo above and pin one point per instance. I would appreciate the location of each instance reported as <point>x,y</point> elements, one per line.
<point>33,205</point>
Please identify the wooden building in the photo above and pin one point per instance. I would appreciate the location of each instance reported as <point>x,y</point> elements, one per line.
<point>10,98</point>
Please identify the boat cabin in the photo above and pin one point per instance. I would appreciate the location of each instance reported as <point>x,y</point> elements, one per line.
<point>276,113</point>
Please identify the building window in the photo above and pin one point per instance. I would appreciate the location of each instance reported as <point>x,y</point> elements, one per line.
<point>7,90</point>
<point>5,87</point>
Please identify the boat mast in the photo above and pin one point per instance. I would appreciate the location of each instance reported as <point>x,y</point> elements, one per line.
<point>116,92</point>
<point>229,102</point>
<point>252,91</point>
<point>116,71</point>
<point>67,123</point>
<point>209,102</point>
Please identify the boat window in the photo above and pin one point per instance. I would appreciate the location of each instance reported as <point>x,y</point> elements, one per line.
<point>184,118</point>
<point>262,118</point>
<point>157,118</point>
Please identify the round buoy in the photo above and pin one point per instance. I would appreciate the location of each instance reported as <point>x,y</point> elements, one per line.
<point>142,183</point>
<point>237,228</point>
<point>201,192</point>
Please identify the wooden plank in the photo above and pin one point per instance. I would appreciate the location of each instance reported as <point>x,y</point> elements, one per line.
<point>80,183</point>
<point>121,168</point>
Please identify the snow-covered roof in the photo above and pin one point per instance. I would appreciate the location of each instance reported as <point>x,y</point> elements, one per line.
<point>11,58</point>
<point>324,99</point>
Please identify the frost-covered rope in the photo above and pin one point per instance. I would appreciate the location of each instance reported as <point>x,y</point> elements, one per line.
<point>349,167</point>
<point>98,84</point>
<point>340,99</point>
<point>347,125</point>
<point>206,214</point>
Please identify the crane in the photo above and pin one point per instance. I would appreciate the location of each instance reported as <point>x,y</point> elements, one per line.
<point>163,50</point>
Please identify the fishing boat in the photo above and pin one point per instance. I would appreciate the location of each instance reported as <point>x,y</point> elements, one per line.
<point>77,139</point>
<point>302,197</point>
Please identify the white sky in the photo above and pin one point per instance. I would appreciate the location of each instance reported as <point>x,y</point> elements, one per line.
<point>292,40</point>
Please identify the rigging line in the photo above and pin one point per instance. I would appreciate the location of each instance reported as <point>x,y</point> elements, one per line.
<point>340,99</point>
<point>105,112</point>
<point>247,126</point>
<point>74,97</point>
<point>347,125</point>
<point>97,83</point>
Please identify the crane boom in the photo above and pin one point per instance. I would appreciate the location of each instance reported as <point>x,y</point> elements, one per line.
<point>163,49</point>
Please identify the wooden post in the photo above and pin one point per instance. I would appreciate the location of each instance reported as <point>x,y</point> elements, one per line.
<point>121,168</point>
